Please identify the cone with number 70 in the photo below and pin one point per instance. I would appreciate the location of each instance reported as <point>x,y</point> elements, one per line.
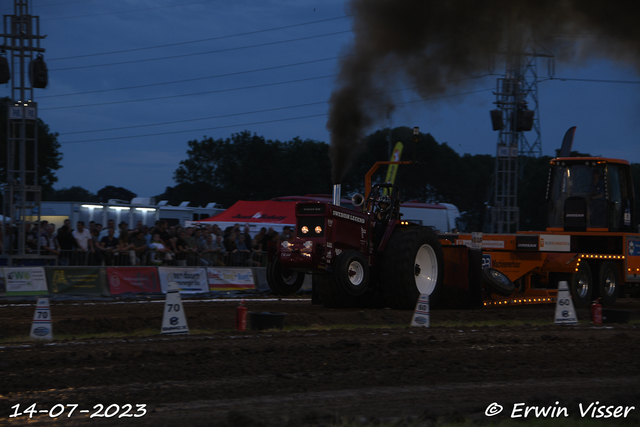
<point>41,326</point>
<point>174,322</point>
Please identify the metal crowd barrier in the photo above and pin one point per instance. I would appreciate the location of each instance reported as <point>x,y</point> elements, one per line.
<point>153,258</point>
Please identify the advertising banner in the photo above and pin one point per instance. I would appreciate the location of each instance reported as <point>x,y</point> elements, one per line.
<point>77,280</point>
<point>230,279</point>
<point>133,279</point>
<point>190,280</point>
<point>527,243</point>
<point>555,243</point>
<point>25,281</point>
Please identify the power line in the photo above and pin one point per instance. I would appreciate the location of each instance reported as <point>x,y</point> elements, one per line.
<point>222,116</point>
<point>235,73</point>
<point>230,90</point>
<point>199,41</point>
<point>288,107</point>
<point>262,111</point>
<point>190,94</point>
<point>61,4</point>
<point>197,130</point>
<point>203,53</point>
<point>123,11</point>
<point>635,82</point>
<point>256,123</point>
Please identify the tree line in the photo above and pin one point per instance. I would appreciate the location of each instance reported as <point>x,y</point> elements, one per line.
<point>247,166</point>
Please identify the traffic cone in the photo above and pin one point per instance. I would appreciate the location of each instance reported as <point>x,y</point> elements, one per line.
<point>174,322</point>
<point>421,313</point>
<point>41,326</point>
<point>565,311</point>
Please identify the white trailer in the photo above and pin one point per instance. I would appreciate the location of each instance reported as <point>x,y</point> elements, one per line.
<point>442,217</point>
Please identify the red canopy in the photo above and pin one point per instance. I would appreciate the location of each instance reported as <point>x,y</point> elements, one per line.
<point>265,213</point>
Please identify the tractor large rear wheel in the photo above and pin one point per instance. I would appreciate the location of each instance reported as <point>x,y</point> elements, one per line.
<point>412,264</point>
<point>281,280</point>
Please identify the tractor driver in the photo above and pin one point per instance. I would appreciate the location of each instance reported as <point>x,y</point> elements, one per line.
<point>384,206</point>
<point>381,218</point>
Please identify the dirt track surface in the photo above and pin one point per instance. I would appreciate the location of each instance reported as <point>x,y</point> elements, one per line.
<point>313,376</point>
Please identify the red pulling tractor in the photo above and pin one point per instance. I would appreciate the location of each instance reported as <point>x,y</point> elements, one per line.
<point>356,258</point>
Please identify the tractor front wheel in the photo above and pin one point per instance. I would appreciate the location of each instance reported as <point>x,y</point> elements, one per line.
<point>352,273</point>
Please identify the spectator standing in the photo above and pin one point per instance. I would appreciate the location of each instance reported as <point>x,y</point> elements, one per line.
<point>138,247</point>
<point>207,252</point>
<point>123,226</point>
<point>84,244</point>
<point>111,224</point>
<point>186,252</point>
<point>197,236</point>
<point>267,238</point>
<point>202,237</point>
<point>48,243</point>
<point>96,257</point>
<point>147,235</point>
<point>32,239</point>
<point>163,254</point>
<point>247,234</point>
<point>67,245</point>
<point>166,236</point>
<point>109,246</point>
<point>255,260</point>
<point>243,252</point>
<point>219,250</point>
<point>286,234</point>
<point>125,248</point>
<point>260,236</point>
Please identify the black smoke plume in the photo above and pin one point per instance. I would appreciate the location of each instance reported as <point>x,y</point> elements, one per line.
<point>437,45</point>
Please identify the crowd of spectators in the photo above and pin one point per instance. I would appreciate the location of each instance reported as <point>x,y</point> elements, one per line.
<point>161,244</point>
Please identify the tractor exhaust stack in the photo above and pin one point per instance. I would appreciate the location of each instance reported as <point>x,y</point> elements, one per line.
<point>337,188</point>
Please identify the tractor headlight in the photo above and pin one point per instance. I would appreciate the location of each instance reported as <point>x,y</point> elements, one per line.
<point>318,229</point>
<point>304,229</point>
<point>308,244</point>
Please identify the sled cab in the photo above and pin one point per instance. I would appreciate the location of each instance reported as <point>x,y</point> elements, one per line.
<point>590,194</point>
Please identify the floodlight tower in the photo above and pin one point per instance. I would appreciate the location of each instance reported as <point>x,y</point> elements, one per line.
<point>26,70</point>
<point>515,92</point>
